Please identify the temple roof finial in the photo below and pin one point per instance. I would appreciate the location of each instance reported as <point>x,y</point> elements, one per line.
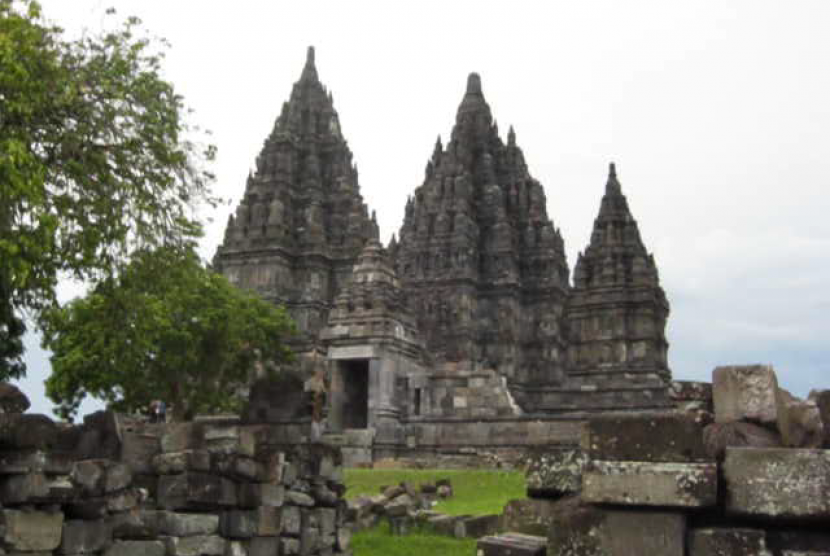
<point>511,137</point>
<point>474,84</point>
<point>310,70</point>
<point>612,186</point>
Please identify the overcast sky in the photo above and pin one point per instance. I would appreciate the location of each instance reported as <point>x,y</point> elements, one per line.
<point>716,113</point>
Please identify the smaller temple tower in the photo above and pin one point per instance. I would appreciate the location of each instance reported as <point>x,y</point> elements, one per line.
<point>616,313</point>
<point>373,347</point>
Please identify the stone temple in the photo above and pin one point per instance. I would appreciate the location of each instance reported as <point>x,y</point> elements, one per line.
<point>466,332</point>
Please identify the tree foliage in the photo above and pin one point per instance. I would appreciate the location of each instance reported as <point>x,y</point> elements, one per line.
<point>166,328</point>
<point>95,160</point>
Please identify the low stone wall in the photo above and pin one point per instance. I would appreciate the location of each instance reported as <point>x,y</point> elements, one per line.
<point>733,482</point>
<point>124,488</point>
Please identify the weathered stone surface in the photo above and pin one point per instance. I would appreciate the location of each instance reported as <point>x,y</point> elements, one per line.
<point>171,463</point>
<point>737,434</point>
<point>477,526</point>
<point>186,525</point>
<point>799,421</point>
<point>727,542</point>
<point>195,490</point>
<point>745,393</point>
<point>592,531</point>
<point>136,548</point>
<point>648,438</point>
<point>799,541</point>
<point>512,544</point>
<point>21,431</point>
<point>19,489</point>
<point>138,524</point>
<point>99,476</point>
<point>528,516</point>
<point>298,498</point>
<point>691,395</point>
<point>244,524</point>
<point>12,400</point>
<point>138,450</point>
<point>555,473</point>
<point>264,546</point>
<point>822,401</point>
<point>778,483</point>
<point>30,531</point>
<point>252,495</point>
<point>197,545</point>
<point>83,537</point>
<point>693,485</point>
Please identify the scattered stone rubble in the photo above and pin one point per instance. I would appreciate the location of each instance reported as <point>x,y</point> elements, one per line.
<point>115,488</point>
<point>750,479</point>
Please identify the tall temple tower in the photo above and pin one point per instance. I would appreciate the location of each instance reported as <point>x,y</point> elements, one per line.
<point>617,313</point>
<point>302,222</point>
<point>481,263</point>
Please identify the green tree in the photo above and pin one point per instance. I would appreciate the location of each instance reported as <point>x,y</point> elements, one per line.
<point>96,158</point>
<point>165,328</point>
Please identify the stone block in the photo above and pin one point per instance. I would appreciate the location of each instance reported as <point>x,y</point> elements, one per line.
<point>529,516</point>
<point>100,476</point>
<point>727,542</point>
<point>27,431</point>
<point>138,524</point>
<point>185,525</point>
<point>822,400</point>
<point>20,462</point>
<point>12,399</point>
<point>798,541</point>
<point>649,438</point>
<point>477,526</point>
<point>195,490</point>
<point>554,473</point>
<point>264,546</point>
<point>685,485</point>
<point>252,495</point>
<point>291,520</point>
<point>19,489</point>
<point>84,537</point>
<point>799,421</point>
<point>289,547</point>
<point>172,463</point>
<point>592,531</point>
<point>30,531</point>
<point>138,450</point>
<point>777,482</point>
<point>512,544</point>
<point>245,524</point>
<point>737,434</point>
<point>136,548</point>
<point>197,545</point>
<point>745,393</point>
<point>179,437</point>
<point>297,498</point>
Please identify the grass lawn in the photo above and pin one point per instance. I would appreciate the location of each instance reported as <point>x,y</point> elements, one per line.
<point>380,542</point>
<point>475,492</point>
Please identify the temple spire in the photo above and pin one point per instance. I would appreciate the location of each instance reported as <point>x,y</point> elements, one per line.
<point>612,186</point>
<point>310,69</point>
<point>474,84</point>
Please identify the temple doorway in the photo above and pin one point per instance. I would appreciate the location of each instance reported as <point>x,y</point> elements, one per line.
<point>355,380</point>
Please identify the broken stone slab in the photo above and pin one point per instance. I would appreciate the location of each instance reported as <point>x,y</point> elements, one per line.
<point>27,431</point>
<point>136,548</point>
<point>187,524</point>
<point>777,482</point>
<point>252,495</point>
<point>554,473</point>
<point>197,545</point>
<point>171,463</point>
<point>822,400</point>
<point>529,516</point>
<point>799,421</point>
<point>648,438</point>
<point>100,476</point>
<point>581,530</point>
<point>512,544</point>
<point>745,393</point>
<point>195,490</point>
<point>82,536</point>
<point>738,434</point>
<point>691,395</point>
<point>723,541</point>
<point>138,524</point>
<point>138,450</point>
<point>477,526</point>
<point>444,524</point>
<point>684,485</point>
<point>31,531</point>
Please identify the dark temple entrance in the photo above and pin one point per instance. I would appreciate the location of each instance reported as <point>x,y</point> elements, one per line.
<point>355,376</point>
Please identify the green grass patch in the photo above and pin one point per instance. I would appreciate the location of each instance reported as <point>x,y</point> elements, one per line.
<point>475,492</point>
<point>380,542</point>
